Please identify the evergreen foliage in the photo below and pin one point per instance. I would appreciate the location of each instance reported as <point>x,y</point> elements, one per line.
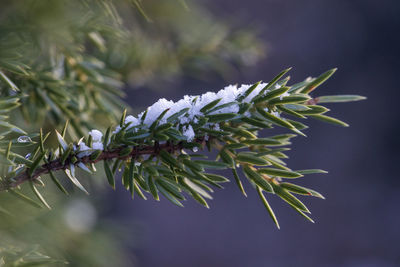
<point>153,151</point>
<point>63,69</point>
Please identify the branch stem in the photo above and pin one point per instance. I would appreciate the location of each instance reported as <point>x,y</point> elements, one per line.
<point>57,164</point>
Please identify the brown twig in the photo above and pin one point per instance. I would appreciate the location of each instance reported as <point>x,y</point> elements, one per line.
<point>56,164</point>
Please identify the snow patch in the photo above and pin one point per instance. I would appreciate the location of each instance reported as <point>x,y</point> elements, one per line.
<point>194,104</point>
<point>188,133</point>
<point>96,135</point>
<point>97,146</point>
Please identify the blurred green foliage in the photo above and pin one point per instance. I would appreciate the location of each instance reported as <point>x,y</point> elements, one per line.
<point>73,60</point>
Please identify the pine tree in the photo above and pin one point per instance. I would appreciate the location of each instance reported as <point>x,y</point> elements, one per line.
<point>63,69</point>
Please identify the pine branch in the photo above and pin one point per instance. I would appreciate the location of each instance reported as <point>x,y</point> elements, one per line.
<point>151,149</point>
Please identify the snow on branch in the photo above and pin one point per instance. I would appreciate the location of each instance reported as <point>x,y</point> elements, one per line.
<point>159,150</point>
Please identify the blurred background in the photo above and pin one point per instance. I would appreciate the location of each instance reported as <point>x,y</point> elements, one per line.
<point>358,223</point>
<point>203,48</point>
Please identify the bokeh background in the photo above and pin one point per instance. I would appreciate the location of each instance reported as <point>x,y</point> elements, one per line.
<point>192,51</point>
<point>358,223</point>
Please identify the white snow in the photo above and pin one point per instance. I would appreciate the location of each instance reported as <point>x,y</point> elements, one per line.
<point>188,132</point>
<point>117,129</point>
<point>84,150</point>
<point>132,120</point>
<point>96,135</point>
<point>227,95</point>
<point>154,111</point>
<point>254,93</point>
<point>194,104</point>
<point>97,146</point>
<point>83,147</point>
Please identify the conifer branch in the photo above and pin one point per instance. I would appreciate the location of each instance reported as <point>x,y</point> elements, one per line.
<point>151,149</point>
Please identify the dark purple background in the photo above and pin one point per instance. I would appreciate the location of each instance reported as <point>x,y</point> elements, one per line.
<point>358,223</point>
